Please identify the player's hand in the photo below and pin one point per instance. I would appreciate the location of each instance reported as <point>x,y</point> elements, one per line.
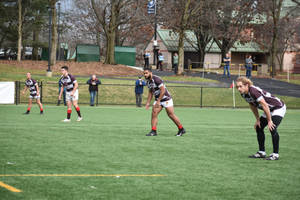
<point>59,97</point>
<point>72,93</point>
<point>147,106</point>
<point>271,125</point>
<point>257,123</point>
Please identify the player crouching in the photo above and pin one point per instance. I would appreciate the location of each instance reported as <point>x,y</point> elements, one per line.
<point>274,111</point>
<point>69,82</point>
<point>163,99</point>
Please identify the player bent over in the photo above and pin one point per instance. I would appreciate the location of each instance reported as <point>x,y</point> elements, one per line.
<point>34,93</point>
<point>163,99</point>
<point>69,82</point>
<point>274,111</point>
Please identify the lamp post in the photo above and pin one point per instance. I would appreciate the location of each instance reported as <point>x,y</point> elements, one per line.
<point>49,72</point>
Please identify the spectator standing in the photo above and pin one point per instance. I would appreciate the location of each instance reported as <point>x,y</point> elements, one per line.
<point>93,88</point>
<point>139,90</point>
<point>249,66</point>
<point>146,59</point>
<point>160,61</point>
<point>175,63</point>
<point>227,61</point>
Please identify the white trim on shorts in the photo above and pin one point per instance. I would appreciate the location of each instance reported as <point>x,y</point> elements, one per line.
<point>34,97</point>
<point>165,104</point>
<point>278,112</point>
<point>72,98</point>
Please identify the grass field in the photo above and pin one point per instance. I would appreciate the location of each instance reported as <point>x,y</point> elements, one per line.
<point>209,162</point>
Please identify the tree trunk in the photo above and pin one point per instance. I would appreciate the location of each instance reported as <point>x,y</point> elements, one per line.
<point>184,20</point>
<point>35,50</point>
<point>181,52</point>
<point>20,31</point>
<point>111,36</point>
<point>201,56</point>
<point>110,51</point>
<point>54,33</point>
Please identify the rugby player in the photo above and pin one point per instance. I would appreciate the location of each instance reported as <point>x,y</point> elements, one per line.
<point>34,93</point>
<point>274,110</point>
<point>69,82</point>
<point>163,99</point>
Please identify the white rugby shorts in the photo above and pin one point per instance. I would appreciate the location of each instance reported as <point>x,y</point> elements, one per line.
<point>278,112</point>
<point>165,104</point>
<point>34,97</point>
<point>72,98</point>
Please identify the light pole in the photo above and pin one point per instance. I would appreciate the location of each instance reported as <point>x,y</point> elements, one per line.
<point>49,72</point>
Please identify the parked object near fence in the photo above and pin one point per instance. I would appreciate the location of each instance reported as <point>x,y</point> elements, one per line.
<point>262,70</point>
<point>87,53</point>
<point>7,92</point>
<point>125,55</point>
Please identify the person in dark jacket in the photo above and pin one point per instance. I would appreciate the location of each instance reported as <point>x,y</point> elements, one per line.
<point>93,88</point>
<point>139,89</point>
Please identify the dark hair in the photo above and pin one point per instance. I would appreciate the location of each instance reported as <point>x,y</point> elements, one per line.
<point>65,68</point>
<point>148,69</point>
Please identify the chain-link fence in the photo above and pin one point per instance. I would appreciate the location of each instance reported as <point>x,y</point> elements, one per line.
<point>121,94</point>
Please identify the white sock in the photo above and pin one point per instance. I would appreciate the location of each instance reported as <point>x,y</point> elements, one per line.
<point>262,152</point>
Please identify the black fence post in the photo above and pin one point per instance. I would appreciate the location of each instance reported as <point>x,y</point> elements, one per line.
<point>19,91</point>
<point>41,91</point>
<point>16,92</point>
<point>97,99</point>
<point>201,96</point>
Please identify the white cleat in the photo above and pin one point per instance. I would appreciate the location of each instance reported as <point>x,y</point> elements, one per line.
<point>79,119</point>
<point>66,120</point>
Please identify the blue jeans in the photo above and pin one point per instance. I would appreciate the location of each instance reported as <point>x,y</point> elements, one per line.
<point>226,68</point>
<point>64,94</point>
<point>248,72</point>
<point>92,100</point>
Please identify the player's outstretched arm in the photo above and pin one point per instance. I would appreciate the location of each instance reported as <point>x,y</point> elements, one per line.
<point>25,89</point>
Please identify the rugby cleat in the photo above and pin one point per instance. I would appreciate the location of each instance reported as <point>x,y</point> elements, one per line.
<point>180,132</point>
<point>152,133</point>
<point>273,156</point>
<point>26,113</point>
<point>79,119</point>
<point>66,120</point>
<point>258,155</point>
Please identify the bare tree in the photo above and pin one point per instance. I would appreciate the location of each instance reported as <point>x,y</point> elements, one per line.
<point>52,4</point>
<point>230,19</point>
<point>111,15</point>
<point>176,15</point>
<point>275,31</point>
<point>20,30</point>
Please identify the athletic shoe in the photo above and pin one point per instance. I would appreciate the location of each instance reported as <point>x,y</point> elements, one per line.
<point>258,155</point>
<point>180,132</point>
<point>26,113</point>
<point>41,112</point>
<point>152,133</point>
<point>66,120</point>
<point>79,119</point>
<point>273,157</point>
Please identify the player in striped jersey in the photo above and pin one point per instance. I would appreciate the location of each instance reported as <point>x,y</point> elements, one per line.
<point>163,99</point>
<point>33,87</point>
<point>70,83</point>
<point>274,110</point>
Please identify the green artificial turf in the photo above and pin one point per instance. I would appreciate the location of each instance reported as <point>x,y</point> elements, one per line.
<point>209,162</point>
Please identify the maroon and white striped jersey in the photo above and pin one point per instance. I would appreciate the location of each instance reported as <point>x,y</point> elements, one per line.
<point>154,86</point>
<point>256,94</point>
<point>31,84</point>
<point>68,82</point>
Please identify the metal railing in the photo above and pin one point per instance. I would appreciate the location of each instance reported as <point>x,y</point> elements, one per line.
<point>122,94</point>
